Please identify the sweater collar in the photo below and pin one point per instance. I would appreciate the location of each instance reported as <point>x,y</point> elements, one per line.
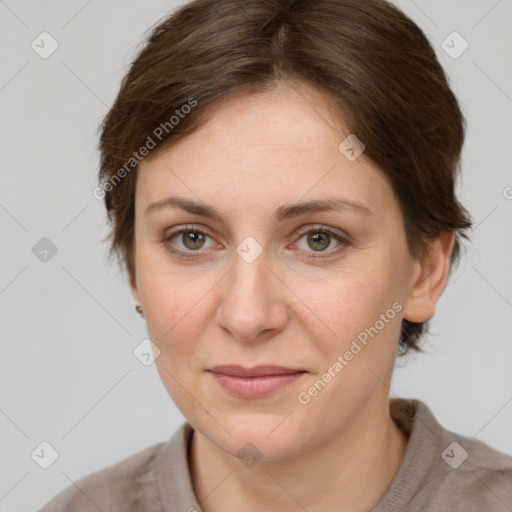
<point>413,417</point>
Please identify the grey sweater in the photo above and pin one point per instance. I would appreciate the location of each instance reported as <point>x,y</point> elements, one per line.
<point>441,471</point>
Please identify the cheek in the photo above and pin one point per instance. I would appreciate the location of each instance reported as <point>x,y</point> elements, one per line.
<point>346,306</point>
<point>174,308</point>
<point>170,293</point>
<point>178,308</point>
<point>355,331</point>
<point>332,309</point>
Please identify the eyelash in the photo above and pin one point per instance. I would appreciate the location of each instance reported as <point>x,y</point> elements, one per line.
<point>344,241</point>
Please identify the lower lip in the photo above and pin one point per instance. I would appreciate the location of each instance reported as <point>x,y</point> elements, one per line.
<point>254,387</point>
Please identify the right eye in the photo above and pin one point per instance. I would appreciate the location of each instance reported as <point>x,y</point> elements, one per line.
<point>192,239</point>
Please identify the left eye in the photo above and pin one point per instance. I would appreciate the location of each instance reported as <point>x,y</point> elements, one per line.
<point>320,238</point>
<point>319,241</point>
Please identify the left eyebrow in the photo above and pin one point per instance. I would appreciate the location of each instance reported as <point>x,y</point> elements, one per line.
<point>285,211</point>
<point>320,205</point>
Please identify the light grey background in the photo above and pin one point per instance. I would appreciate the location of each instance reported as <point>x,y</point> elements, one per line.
<point>68,327</point>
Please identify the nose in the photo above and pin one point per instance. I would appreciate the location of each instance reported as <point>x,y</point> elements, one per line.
<point>253,303</point>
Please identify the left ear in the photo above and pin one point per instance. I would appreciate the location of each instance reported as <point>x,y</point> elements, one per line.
<point>134,289</point>
<point>429,279</point>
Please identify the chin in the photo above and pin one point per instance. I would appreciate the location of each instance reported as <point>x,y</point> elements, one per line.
<point>264,436</point>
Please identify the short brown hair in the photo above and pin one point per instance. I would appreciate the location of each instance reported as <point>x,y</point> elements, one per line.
<point>366,55</point>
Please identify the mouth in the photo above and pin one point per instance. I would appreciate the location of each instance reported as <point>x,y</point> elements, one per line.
<point>256,371</point>
<point>255,382</point>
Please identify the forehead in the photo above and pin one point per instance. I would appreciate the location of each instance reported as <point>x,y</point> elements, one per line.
<point>291,116</point>
<point>266,148</point>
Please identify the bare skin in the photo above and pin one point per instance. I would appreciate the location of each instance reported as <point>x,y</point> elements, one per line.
<point>340,450</point>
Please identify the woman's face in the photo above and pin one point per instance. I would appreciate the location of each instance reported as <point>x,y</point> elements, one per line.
<point>256,288</point>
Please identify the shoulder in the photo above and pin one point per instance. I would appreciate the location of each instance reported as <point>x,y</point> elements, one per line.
<point>466,474</point>
<point>443,470</point>
<point>126,485</point>
<point>476,472</point>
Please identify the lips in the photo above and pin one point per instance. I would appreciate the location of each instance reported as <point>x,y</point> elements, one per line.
<point>256,382</point>
<point>257,371</point>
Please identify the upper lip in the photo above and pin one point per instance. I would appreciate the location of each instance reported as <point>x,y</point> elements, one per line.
<point>255,371</point>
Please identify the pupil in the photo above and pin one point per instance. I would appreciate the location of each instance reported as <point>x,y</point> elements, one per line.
<point>318,238</point>
<point>195,238</point>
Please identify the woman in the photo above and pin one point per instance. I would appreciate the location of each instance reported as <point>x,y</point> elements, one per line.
<point>280,178</point>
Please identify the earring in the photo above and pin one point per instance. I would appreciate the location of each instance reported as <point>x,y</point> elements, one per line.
<point>138,308</point>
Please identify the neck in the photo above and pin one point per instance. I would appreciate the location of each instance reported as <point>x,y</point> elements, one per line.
<point>349,472</point>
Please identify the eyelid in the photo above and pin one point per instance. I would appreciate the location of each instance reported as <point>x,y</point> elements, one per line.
<point>187,227</point>
<point>324,228</point>
<point>183,229</point>
<point>343,238</point>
